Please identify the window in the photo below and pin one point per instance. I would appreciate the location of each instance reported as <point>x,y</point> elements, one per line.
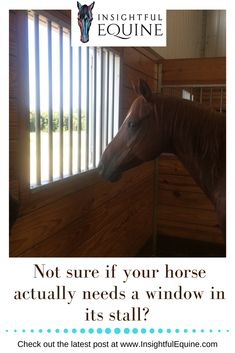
<point>187,95</point>
<point>213,95</point>
<point>74,102</point>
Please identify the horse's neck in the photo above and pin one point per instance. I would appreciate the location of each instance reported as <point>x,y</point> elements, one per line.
<point>195,135</point>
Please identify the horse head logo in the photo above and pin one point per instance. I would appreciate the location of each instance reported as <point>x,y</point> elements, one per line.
<point>84,20</point>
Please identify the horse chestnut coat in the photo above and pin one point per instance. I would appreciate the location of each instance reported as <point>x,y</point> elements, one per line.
<point>157,124</point>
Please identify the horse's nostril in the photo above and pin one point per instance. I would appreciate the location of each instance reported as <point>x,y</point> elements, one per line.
<point>100,168</point>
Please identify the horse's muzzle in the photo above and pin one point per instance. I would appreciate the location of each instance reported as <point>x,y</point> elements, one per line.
<point>100,168</point>
<point>106,174</point>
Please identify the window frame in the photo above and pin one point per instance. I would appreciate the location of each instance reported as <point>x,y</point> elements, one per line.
<point>34,198</point>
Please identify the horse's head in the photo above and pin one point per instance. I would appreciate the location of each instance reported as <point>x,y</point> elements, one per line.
<point>84,20</point>
<point>136,140</point>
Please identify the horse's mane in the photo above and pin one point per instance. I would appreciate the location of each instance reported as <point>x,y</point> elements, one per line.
<point>197,131</point>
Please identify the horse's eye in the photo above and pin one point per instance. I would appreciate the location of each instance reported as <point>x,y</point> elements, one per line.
<point>132,124</point>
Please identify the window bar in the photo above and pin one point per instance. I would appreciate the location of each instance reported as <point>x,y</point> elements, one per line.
<point>107,101</point>
<point>70,108</point>
<point>221,100</point>
<point>113,93</point>
<point>79,106</point>
<point>61,114</point>
<point>211,94</point>
<point>201,93</point>
<point>37,101</point>
<point>116,92</point>
<point>101,99</point>
<point>50,119</point>
<point>87,105</point>
<point>191,93</point>
<point>182,92</point>
<point>94,105</point>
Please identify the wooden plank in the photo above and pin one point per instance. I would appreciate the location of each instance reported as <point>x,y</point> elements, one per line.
<point>13,167</point>
<point>12,76</point>
<point>206,95</point>
<point>170,164</point>
<point>131,75</point>
<point>150,53</point>
<point>23,102</point>
<point>186,215</point>
<point>194,71</point>
<point>14,188</point>
<point>127,236</point>
<point>178,183</point>
<point>190,231</point>
<point>13,121</point>
<point>43,222</point>
<point>184,199</point>
<point>133,58</point>
<point>113,231</point>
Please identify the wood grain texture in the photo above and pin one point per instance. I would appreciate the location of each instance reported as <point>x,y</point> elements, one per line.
<point>97,218</point>
<point>183,210</point>
<point>187,199</point>
<point>13,120</point>
<point>169,164</point>
<point>101,208</point>
<point>132,75</point>
<point>194,71</point>
<point>114,230</point>
<point>200,232</point>
<point>134,58</point>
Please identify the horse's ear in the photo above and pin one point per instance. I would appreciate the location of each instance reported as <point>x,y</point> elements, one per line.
<point>135,88</point>
<point>79,5</point>
<point>144,90</point>
<point>92,5</point>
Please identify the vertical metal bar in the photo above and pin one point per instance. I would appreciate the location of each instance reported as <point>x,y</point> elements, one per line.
<point>61,113</point>
<point>211,94</point>
<point>221,100</point>
<point>94,107</point>
<point>50,113</point>
<point>107,101</point>
<point>117,93</point>
<point>70,107</point>
<point>37,101</point>
<point>201,93</point>
<point>191,93</point>
<point>101,100</point>
<point>87,105</point>
<point>113,92</point>
<point>79,106</point>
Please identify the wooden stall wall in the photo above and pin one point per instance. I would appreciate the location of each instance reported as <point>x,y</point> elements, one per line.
<point>13,121</point>
<point>84,215</point>
<point>183,209</point>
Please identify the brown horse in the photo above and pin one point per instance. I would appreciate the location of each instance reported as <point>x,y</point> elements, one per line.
<point>157,124</point>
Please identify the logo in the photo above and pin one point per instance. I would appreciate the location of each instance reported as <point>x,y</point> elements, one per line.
<point>115,23</point>
<point>84,20</point>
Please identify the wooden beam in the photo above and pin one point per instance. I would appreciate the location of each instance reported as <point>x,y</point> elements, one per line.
<point>194,71</point>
